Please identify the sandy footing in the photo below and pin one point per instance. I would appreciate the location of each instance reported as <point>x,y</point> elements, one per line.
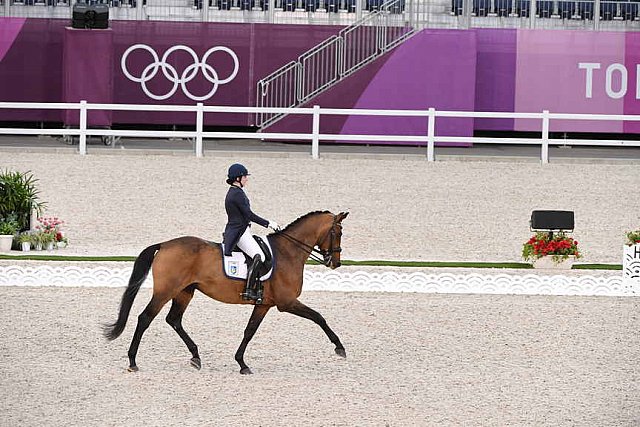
<point>400,209</point>
<point>412,359</point>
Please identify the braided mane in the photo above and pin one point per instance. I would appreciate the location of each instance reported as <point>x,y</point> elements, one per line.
<point>302,218</point>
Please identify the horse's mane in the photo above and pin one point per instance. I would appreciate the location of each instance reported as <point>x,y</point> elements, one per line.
<point>302,218</point>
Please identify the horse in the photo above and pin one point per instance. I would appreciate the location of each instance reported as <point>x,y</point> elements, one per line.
<point>186,264</point>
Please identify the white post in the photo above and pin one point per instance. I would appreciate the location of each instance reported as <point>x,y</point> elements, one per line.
<point>199,128</point>
<point>532,14</point>
<point>315,139</point>
<point>545,137</point>
<point>431,134</point>
<point>83,128</point>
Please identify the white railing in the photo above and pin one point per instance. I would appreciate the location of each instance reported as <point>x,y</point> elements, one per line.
<point>316,113</point>
<point>332,60</point>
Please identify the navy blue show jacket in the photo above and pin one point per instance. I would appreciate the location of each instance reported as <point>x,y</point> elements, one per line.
<point>239,217</point>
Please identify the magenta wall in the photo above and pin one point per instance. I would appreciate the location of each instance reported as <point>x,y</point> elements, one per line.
<point>478,69</point>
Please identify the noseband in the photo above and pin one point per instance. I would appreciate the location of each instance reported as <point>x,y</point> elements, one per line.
<point>327,255</point>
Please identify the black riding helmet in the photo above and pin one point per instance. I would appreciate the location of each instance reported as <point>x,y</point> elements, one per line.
<point>236,170</point>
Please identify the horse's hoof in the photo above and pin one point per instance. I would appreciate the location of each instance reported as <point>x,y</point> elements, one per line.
<point>132,369</point>
<point>246,371</point>
<point>196,363</point>
<point>341,352</point>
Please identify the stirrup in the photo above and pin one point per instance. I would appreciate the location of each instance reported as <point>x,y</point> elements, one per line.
<point>249,294</point>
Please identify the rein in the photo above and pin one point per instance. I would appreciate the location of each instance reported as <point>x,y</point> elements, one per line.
<point>326,254</point>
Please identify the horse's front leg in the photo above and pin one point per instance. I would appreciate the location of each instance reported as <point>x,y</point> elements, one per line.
<point>299,309</point>
<point>259,311</point>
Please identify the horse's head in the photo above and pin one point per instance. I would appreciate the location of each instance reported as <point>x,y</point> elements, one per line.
<point>329,243</point>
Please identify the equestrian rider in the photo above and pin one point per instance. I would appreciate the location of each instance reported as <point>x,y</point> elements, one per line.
<point>238,228</point>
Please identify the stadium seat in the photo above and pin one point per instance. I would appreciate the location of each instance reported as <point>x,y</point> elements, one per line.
<point>566,9</point>
<point>523,8</point>
<point>585,9</point>
<point>372,5</point>
<point>503,7</point>
<point>457,7</point>
<point>629,10</point>
<point>397,7</point>
<point>247,4</point>
<point>544,9</point>
<point>608,10</point>
<point>311,5</point>
<point>481,7</point>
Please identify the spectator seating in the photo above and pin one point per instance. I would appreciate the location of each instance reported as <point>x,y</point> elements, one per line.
<point>624,10</point>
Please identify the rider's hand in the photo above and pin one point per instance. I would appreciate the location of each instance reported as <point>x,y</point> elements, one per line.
<point>274,226</point>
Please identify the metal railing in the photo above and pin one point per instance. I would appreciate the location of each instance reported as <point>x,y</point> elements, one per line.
<point>579,14</point>
<point>314,136</point>
<point>331,61</point>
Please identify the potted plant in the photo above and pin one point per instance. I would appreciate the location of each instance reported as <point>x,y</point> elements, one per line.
<point>19,196</point>
<point>24,239</point>
<point>8,228</point>
<point>53,225</point>
<point>48,240</point>
<point>61,240</point>
<point>546,250</point>
<point>37,240</point>
<point>631,255</point>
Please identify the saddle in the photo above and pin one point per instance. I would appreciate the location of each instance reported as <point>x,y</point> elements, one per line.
<point>236,266</point>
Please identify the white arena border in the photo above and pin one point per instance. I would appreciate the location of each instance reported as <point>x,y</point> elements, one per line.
<point>359,281</point>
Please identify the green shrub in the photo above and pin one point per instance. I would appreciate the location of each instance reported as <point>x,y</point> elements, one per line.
<point>9,225</point>
<point>19,195</point>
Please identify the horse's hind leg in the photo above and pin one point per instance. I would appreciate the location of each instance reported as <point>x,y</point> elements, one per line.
<point>174,318</point>
<point>259,311</point>
<point>144,320</point>
<point>299,309</point>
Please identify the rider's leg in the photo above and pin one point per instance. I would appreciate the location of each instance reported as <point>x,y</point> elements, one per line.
<point>249,246</point>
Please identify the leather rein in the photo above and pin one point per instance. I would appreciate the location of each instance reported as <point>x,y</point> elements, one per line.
<point>326,254</point>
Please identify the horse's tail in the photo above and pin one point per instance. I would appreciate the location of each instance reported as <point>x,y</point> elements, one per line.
<point>141,269</point>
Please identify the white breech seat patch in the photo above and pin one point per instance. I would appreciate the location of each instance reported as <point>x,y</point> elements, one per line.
<point>235,266</point>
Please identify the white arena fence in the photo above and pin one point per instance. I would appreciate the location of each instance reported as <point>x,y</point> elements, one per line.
<point>315,137</point>
<point>357,281</point>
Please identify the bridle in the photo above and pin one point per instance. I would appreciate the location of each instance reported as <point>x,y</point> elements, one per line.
<point>327,255</point>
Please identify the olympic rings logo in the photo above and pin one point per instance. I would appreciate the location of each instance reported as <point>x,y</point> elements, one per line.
<point>171,73</point>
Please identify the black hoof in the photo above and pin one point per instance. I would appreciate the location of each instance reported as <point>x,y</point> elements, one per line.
<point>196,363</point>
<point>341,352</point>
<point>132,369</point>
<point>246,371</point>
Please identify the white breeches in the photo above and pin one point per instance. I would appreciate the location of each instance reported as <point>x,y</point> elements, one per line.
<point>249,246</point>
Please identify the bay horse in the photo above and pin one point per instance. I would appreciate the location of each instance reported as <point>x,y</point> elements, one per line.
<point>182,265</point>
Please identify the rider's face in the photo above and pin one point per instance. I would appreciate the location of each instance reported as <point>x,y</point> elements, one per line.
<point>244,180</point>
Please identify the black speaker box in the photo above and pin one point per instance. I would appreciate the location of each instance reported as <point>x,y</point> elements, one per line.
<point>552,220</point>
<point>90,16</point>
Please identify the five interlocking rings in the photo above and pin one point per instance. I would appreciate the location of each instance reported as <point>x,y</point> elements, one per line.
<point>171,73</point>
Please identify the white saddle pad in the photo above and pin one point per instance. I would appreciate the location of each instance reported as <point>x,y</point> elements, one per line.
<point>235,266</point>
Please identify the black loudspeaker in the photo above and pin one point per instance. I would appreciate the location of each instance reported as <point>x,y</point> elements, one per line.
<point>90,16</point>
<point>552,221</point>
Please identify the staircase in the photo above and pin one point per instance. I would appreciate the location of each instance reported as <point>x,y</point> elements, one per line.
<point>333,60</point>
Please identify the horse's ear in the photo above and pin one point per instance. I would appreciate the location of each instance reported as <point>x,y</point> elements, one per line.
<point>342,215</point>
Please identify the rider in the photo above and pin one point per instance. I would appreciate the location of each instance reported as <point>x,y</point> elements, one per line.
<point>238,228</point>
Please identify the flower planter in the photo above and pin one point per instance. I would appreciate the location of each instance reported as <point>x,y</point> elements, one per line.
<point>25,246</point>
<point>6,240</point>
<point>547,263</point>
<point>631,262</point>
<point>50,246</point>
<point>61,244</point>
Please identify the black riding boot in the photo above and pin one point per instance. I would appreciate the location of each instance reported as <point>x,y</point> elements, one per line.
<point>250,291</point>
